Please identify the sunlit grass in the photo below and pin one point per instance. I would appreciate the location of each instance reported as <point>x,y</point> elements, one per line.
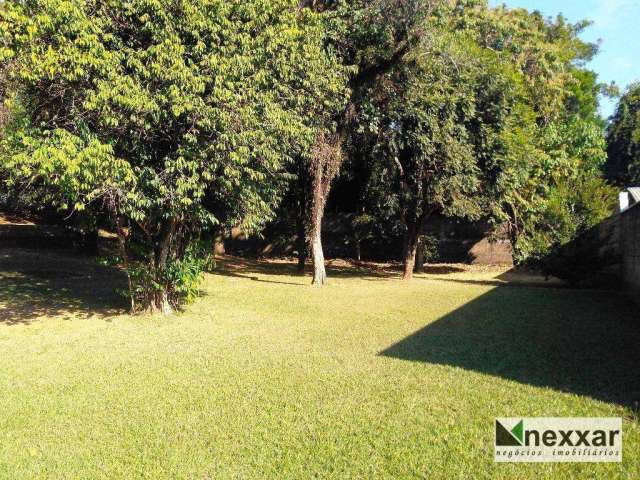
<point>267,377</point>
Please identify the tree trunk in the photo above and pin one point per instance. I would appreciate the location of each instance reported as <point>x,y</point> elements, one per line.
<point>319,271</point>
<point>317,212</point>
<point>160,301</point>
<point>122,246</point>
<point>410,249</point>
<point>324,167</point>
<point>317,254</point>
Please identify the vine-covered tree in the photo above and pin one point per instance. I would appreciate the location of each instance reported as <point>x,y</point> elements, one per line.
<point>370,38</point>
<point>623,140</point>
<point>172,117</point>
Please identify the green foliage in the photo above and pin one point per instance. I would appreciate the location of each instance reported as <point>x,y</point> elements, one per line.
<point>181,280</point>
<point>185,275</point>
<point>415,124</point>
<point>179,115</point>
<point>423,130</point>
<point>494,111</point>
<point>573,240</point>
<point>542,138</point>
<point>169,119</point>
<point>623,138</point>
<point>571,209</point>
<point>363,226</point>
<point>430,246</point>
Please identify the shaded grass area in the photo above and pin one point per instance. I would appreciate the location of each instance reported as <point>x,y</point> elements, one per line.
<point>39,285</point>
<point>539,337</point>
<point>267,377</point>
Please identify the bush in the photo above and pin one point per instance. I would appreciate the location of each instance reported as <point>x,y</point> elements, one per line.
<point>430,248</point>
<point>572,240</point>
<point>181,281</point>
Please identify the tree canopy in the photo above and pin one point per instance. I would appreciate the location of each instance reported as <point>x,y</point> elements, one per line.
<point>545,135</point>
<point>173,116</point>
<point>623,138</point>
<point>488,113</point>
<point>168,120</point>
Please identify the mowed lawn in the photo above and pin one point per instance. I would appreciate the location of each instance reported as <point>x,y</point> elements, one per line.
<point>267,377</point>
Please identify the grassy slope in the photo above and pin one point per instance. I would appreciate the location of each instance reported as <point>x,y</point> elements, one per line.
<point>267,377</point>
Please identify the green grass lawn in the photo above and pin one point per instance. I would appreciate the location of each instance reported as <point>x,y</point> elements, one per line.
<point>267,377</point>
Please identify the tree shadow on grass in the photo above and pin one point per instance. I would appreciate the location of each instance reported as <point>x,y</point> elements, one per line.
<point>441,269</point>
<point>35,285</point>
<point>583,342</point>
<point>248,268</point>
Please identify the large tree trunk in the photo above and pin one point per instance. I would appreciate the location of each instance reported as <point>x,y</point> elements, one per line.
<point>160,301</point>
<point>411,238</point>
<point>319,271</point>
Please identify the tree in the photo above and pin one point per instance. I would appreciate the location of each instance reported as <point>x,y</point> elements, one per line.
<point>545,137</point>
<point>4,108</point>
<point>172,117</point>
<point>326,157</point>
<point>516,106</point>
<point>416,118</point>
<point>370,38</point>
<point>623,140</point>
<point>427,105</point>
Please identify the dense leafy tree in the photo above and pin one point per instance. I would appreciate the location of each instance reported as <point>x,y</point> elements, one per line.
<point>548,137</point>
<point>424,108</point>
<point>623,139</point>
<point>517,107</point>
<point>370,39</point>
<point>171,116</point>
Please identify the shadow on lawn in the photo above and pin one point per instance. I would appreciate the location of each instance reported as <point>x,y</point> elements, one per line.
<point>245,268</point>
<point>583,342</point>
<point>39,284</point>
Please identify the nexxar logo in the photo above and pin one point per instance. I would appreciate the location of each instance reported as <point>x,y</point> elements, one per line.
<point>519,436</point>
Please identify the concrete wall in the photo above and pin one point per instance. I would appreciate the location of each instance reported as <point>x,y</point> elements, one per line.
<point>629,238</point>
<point>487,252</point>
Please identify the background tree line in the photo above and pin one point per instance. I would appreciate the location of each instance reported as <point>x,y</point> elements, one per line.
<point>169,121</point>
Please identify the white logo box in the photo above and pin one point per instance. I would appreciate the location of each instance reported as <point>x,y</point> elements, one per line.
<point>559,439</point>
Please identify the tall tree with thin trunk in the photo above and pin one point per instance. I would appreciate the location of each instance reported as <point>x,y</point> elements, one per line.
<point>424,107</point>
<point>371,38</point>
<point>326,157</point>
